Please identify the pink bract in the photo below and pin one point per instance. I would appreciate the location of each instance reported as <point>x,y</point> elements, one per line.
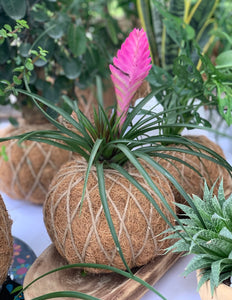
<point>129,69</point>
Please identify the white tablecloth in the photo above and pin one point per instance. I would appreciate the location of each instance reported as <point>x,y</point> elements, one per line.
<point>28,225</point>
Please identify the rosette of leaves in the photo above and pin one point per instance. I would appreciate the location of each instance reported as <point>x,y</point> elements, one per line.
<point>79,38</point>
<point>207,234</point>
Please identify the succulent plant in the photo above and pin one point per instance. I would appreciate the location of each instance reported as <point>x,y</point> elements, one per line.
<point>207,234</point>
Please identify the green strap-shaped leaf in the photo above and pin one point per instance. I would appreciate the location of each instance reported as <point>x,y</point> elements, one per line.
<point>157,26</point>
<point>203,12</point>
<point>16,9</point>
<point>203,24</point>
<point>98,266</point>
<point>102,192</point>
<point>76,39</point>
<point>171,47</point>
<point>66,294</point>
<point>144,11</point>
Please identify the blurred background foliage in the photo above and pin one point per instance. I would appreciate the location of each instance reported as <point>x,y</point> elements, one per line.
<point>80,37</point>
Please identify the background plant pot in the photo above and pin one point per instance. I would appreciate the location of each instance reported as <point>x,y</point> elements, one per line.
<point>30,167</point>
<point>222,292</point>
<point>188,178</point>
<point>6,241</point>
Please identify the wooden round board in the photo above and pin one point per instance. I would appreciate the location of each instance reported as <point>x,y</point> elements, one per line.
<point>109,286</point>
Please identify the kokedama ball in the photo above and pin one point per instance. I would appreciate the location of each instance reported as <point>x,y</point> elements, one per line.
<point>191,181</point>
<point>80,231</point>
<point>6,242</point>
<point>30,166</point>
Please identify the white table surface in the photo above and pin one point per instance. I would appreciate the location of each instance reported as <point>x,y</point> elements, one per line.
<point>28,225</point>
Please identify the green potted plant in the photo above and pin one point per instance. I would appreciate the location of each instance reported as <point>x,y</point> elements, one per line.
<point>207,235</point>
<point>188,80</point>
<point>115,156</point>
<point>184,31</point>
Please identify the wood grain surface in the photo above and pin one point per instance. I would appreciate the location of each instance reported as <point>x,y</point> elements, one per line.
<point>109,286</point>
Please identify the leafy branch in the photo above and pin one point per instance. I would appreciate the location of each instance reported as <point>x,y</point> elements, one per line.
<point>28,66</point>
<point>8,32</point>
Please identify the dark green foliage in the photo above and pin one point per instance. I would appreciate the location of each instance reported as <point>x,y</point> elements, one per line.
<point>80,38</point>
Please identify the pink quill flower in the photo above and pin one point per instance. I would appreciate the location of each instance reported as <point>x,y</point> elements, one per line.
<point>130,67</point>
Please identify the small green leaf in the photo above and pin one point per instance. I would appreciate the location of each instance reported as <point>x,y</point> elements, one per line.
<point>22,24</point>
<point>16,80</point>
<point>19,69</point>
<point>8,27</point>
<point>3,33</point>
<point>29,65</point>
<point>3,153</point>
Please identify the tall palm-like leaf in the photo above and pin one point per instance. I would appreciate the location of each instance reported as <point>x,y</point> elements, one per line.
<point>173,24</point>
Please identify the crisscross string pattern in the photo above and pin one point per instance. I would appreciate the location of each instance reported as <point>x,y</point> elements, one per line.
<point>6,241</point>
<point>80,231</point>
<point>30,167</point>
<point>189,179</point>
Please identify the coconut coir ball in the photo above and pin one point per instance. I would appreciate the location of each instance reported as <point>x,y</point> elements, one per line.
<point>188,178</point>
<point>80,231</point>
<point>30,166</point>
<point>6,242</point>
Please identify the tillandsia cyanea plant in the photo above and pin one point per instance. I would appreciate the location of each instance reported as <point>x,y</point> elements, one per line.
<point>211,240</point>
<point>112,139</point>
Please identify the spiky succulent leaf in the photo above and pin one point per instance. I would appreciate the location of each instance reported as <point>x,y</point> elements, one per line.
<point>203,278</point>
<point>130,67</point>
<point>227,211</point>
<point>211,244</point>
<point>201,261</point>
<point>215,271</point>
<point>226,234</point>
